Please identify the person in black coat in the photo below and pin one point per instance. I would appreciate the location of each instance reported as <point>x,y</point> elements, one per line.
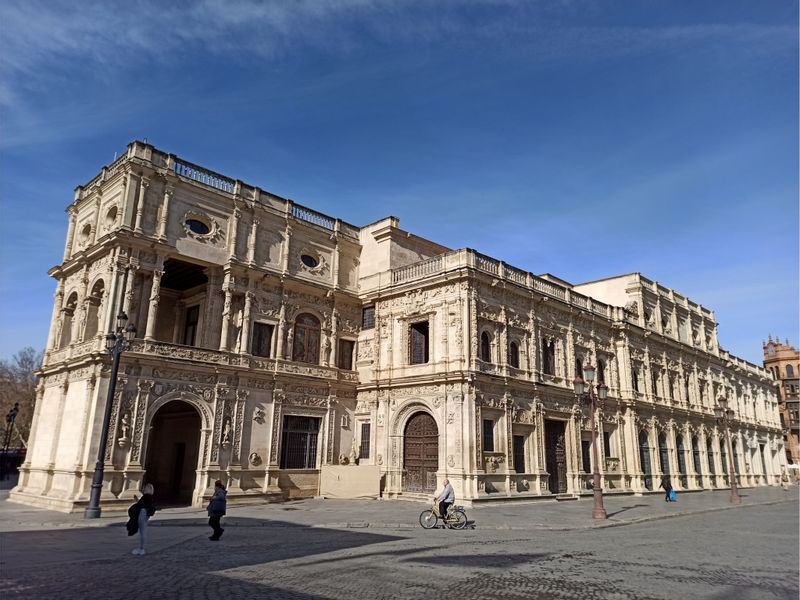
<point>216,510</point>
<point>139,514</point>
<point>666,483</point>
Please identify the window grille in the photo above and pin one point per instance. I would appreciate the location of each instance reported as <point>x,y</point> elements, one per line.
<point>299,445</point>
<point>488,435</point>
<point>306,339</point>
<point>262,339</point>
<point>364,447</point>
<point>368,317</point>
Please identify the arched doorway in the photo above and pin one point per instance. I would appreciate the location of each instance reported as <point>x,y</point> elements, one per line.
<point>644,459</point>
<point>420,453</point>
<point>172,452</point>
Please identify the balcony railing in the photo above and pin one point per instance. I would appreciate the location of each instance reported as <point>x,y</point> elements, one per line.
<point>311,216</point>
<point>203,176</point>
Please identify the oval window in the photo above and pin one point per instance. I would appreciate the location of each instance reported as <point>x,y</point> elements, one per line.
<point>309,260</point>
<point>197,227</point>
<point>111,217</point>
<point>86,232</point>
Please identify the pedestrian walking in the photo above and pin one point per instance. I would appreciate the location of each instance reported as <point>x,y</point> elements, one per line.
<point>216,510</point>
<point>666,484</point>
<point>139,514</point>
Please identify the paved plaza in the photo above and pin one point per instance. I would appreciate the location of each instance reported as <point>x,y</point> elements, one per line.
<point>699,547</point>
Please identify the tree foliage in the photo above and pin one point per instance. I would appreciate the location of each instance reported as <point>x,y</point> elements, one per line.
<point>18,384</point>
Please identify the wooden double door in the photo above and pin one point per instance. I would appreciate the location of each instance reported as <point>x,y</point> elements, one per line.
<point>556,455</point>
<point>420,454</point>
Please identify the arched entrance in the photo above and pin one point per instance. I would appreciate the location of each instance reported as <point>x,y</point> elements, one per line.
<point>644,459</point>
<point>172,452</point>
<point>420,453</point>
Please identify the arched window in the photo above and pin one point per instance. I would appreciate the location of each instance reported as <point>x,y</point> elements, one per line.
<point>513,355</point>
<point>696,455</point>
<point>789,371</point>
<point>601,371</point>
<point>578,367</point>
<point>635,379</point>
<point>710,455</point>
<point>67,320</point>
<point>548,356</point>
<point>663,454</point>
<point>306,339</point>
<point>486,348</point>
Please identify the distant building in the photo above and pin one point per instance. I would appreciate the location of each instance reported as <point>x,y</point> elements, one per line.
<point>276,344</point>
<point>783,361</point>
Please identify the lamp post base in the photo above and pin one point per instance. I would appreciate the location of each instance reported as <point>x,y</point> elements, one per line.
<point>737,499</point>
<point>91,512</point>
<point>599,513</point>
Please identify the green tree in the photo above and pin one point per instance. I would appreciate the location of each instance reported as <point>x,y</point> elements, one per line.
<point>18,385</point>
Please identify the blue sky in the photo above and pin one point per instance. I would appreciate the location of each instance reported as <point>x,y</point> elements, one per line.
<point>584,139</point>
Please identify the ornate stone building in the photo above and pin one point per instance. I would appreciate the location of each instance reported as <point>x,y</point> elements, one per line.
<point>783,361</point>
<point>274,342</point>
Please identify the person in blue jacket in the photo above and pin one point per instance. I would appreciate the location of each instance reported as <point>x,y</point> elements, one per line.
<point>216,510</point>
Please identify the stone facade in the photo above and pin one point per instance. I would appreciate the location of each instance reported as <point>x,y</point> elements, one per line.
<point>274,341</point>
<point>783,361</point>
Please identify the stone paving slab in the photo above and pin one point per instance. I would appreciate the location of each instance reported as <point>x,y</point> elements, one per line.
<point>404,514</point>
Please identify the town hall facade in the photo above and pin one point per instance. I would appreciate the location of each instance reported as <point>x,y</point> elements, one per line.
<point>274,342</point>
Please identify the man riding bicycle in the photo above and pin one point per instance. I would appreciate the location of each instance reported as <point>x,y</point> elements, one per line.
<point>445,499</point>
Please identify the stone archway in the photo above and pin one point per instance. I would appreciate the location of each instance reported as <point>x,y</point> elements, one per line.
<point>420,453</point>
<point>173,450</point>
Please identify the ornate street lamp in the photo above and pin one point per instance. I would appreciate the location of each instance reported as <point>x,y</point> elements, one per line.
<point>116,343</point>
<point>584,389</point>
<point>724,416</point>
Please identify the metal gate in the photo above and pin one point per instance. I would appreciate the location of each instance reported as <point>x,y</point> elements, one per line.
<point>556,456</point>
<point>420,454</point>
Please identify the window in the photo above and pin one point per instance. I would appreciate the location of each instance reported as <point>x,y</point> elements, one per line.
<point>262,339</point>
<point>190,328</point>
<point>486,349</point>
<point>344,356</point>
<point>488,435</point>
<point>723,457</point>
<point>654,383</point>
<point>368,317</point>
<point>197,226</point>
<point>696,455</point>
<point>418,343</point>
<point>671,388</point>
<point>702,388</point>
<point>686,388</point>
<point>586,450</point>
<point>635,379</point>
<point>578,368</point>
<point>607,444</point>
<point>299,447</point>
<point>601,371</point>
<point>789,371</point>
<point>710,455</point>
<point>548,357</point>
<point>306,339</point>
<point>363,451</point>
<point>513,355</point>
<point>519,453</point>
<point>309,260</point>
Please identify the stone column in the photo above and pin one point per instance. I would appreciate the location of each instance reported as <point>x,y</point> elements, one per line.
<point>152,312</point>
<point>336,250</point>
<point>234,229</point>
<point>226,314</point>
<point>55,326</point>
<point>334,337</point>
<point>244,346</point>
<point>96,226</point>
<point>285,247</point>
<point>164,216</point>
<point>143,185</point>
<point>73,215</point>
<point>251,242</point>
<point>130,282</point>
<point>279,353</point>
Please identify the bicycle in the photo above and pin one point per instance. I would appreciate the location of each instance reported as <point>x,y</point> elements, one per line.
<point>455,518</point>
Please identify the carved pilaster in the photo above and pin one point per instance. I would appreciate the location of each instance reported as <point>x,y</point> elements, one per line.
<point>143,185</point>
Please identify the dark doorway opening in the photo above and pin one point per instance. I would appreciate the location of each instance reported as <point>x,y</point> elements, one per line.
<point>420,454</point>
<point>172,453</point>
<point>556,456</point>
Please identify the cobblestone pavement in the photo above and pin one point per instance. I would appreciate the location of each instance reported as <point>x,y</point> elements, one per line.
<point>747,552</point>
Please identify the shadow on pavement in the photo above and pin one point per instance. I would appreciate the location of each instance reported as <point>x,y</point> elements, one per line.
<point>624,508</point>
<point>86,560</point>
<point>487,561</point>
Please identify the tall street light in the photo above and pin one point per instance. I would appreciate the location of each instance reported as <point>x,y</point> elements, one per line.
<point>584,389</point>
<point>10,416</point>
<point>116,343</point>
<point>724,416</point>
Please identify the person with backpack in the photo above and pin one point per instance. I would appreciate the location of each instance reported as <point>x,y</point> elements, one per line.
<point>216,510</point>
<point>666,484</point>
<point>139,514</point>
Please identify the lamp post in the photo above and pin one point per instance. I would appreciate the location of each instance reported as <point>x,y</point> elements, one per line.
<point>584,389</point>
<point>10,416</point>
<point>724,415</point>
<point>116,343</point>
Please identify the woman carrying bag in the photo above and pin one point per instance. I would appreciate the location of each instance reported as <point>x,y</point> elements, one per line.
<point>216,510</point>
